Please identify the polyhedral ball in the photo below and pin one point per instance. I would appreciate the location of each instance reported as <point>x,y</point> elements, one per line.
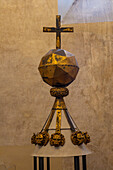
<point>58,68</point>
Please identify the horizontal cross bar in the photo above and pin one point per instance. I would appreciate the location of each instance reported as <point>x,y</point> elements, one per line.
<point>49,29</point>
<point>58,31</point>
<point>53,29</point>
<point>67,29</point>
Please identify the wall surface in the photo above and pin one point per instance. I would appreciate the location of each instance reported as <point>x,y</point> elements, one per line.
<point>25,101</point>
<point>22,93</point>
<point>91,95</point>
<point>87,11</point>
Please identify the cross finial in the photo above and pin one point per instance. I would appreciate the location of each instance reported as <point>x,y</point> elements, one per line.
<point>58,30</point>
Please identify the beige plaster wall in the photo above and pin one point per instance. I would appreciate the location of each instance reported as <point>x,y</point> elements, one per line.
<point>25,101</point>
<point>22,109</point>
<point>91,95</point>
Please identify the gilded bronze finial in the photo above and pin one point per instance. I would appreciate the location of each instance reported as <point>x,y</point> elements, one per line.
<point>59,68</point>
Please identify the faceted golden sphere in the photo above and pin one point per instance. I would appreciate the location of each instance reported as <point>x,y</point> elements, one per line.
<point>58,68</point>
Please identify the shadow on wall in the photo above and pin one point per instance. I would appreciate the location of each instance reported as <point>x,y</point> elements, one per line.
<point>87,11</point>
<point>64,6</point>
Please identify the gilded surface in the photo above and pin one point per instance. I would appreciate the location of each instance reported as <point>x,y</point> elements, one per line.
<point>70,29</point>
<point>49,120</point>
<point>57,139</point>
<point>58,42</point>
<point>58,21</point>
<point>58,30</point>
<point>59,92</point>
<point>58,121</point>
<point>41,138</point>
<point>86,138</point>
<point>45,29</point>
<point>33,139</point>
<point>59,104</point>
<point>58,68</point>
<point>79,137</point>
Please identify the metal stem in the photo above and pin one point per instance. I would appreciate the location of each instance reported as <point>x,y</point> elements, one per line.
<point>41,163</point>
<point>48,163</point>
<point>35,163</point>
<point>84,162</point>
<point>76,163</point>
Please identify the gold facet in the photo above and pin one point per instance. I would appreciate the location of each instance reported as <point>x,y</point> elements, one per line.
<point>58,68</point>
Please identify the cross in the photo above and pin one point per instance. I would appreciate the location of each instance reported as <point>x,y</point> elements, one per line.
<point>58,30</point>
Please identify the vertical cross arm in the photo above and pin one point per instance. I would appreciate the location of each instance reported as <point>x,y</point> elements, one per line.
<point>58,21</point>
<point>58,32</point>
<point>58,40</point>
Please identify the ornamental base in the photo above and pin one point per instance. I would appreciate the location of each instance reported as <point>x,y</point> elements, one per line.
<point>47,163</point>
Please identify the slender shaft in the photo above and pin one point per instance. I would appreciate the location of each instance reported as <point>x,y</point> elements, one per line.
<point>41,163</point>
<point>76,163</point>
<point>84,162</point>
<point>48,163</point>
<point>58,121</point>
<point>35,163</point>
<point>48,122</point>
<point>70,121</point>
<point>58,33</point>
